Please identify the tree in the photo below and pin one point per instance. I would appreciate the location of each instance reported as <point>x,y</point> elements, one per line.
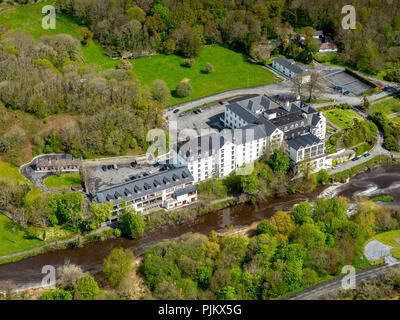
<point>183,89</point>
<point>322,177</point>
<point>69,275</point>
<point>56,294</point>
<point>316,85</point>
<point>298,87</point>
<point>283,223</point>
<point>310,236</point>
<point>160,91</point>
<point>136,13</point>
<point>209,68</point>
<point>169,46</point>
<point>280,162</point>
<point>101,212</point>
<point>302,212</point>
<point>226,293</point>
<point>86,288</point>
<point>133,222</point>
<point>365,103</point>
<point>117,265</point>
<point>250,182</point>
<point>265,227</point>
<point>293,274</point>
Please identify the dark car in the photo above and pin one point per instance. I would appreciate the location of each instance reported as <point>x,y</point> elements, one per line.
<point>367,155</point>
<point>176,110</point>
<point>104,168</point>
<point>355,159</point>
<point>110,167</point>
<point>133,164</point>
<point>196,111</point>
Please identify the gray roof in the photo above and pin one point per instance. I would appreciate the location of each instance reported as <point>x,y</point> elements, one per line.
<point>138,188</point>
<point>242,112</point>
<point>181,192</point>
<point>303,141</point>
<point>289,64</point>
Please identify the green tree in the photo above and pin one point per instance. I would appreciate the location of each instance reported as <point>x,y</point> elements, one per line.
<point>86,288</point>
<point>226,293</point>
<point>280,163</point>
<point>265,227</point>
<point>117,265</point>
<point>136,13</point>
<point>160,91</point>
<point>310,236</point>
<point>302,212</point>
<point>250,183</point>
<point>133,223</point>
<point>56,294</point>
<point>293,274</point>
<point>100,212</point>
<point>322,177</point>
<point>183,89</point>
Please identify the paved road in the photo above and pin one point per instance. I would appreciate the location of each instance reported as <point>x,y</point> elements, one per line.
<point>333,285</point>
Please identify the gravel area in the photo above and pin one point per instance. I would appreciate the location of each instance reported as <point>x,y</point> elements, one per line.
<point>376,250</point>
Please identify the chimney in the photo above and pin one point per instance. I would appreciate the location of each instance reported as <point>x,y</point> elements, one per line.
<point>286,106</point>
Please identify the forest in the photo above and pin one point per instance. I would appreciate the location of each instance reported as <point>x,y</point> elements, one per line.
<point>183,26</point>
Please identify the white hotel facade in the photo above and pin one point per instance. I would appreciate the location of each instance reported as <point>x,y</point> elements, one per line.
<point>254,125</point>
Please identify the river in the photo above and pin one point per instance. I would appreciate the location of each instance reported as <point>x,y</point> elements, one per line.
<point>384,180</point>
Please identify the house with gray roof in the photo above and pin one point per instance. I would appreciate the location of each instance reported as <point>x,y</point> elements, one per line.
<point>291,69</point>
<point>165,189</point>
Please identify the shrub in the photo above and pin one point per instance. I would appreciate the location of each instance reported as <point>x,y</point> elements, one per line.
<point>86,289</point>
<point>183,89</point>
<point>188,63</point>
<point>209,68</point>
<point>117,265</point>
<point>56,294</point>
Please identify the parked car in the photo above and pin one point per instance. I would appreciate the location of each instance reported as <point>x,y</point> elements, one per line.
<point>110,167</point>
<point>176,110</point>
<point>104,168</point>
<point>336,167</point>
<point>200,110</point>
<point>367,155</point>
<point>355,159</point>
<point>196,111</point>
<point>115,166</point>
<point>133,164</point>
<point>222,102</point>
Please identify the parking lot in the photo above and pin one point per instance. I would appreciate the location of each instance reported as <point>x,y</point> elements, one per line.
<point>100,179</point>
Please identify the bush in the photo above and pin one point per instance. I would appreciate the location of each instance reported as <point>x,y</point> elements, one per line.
<point>188,63</point>
<point>117,233</point>
<point>86,289</point>
<point>56,294</point>
<point>209,68</point>
<point>183,89</point>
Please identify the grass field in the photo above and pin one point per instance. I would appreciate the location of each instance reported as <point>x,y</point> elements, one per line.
<point>342,118</point>
<point>388,238</point>
<point>388,107</point>
<point>29,19</point>
<point>11,174</point>
<point>232,71</point>
<point>13,238</point>
<point>64,181</point>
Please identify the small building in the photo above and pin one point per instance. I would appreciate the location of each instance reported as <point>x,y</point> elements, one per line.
<point>291,69</point>
<point>57,163</point>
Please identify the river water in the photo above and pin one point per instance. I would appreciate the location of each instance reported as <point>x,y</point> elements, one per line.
<point>383,180</point>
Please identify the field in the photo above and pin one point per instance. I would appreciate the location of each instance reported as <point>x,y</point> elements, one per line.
<point>13,238</point>
<point>232,71</point>
<point>388,107</point>
<point>342,118</point>
<point>11,174</point>
<point>64,181</point>
<point>29,19</point>
<point>388,238</point>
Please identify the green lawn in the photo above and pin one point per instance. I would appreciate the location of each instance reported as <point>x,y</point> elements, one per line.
<point>232,71</point>
<point>11,174</point>
<point>388,107</point>
<point>64,181</point>
<point>388,238</point>
<point>29,19</point>
<point>13,239</point>
<point>342,118</point>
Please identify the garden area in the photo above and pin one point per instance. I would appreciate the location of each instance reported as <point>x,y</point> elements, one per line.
<point>232,70</point>
<point>387,107</point>
<point>343,118</point>
<point>63,182</point>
